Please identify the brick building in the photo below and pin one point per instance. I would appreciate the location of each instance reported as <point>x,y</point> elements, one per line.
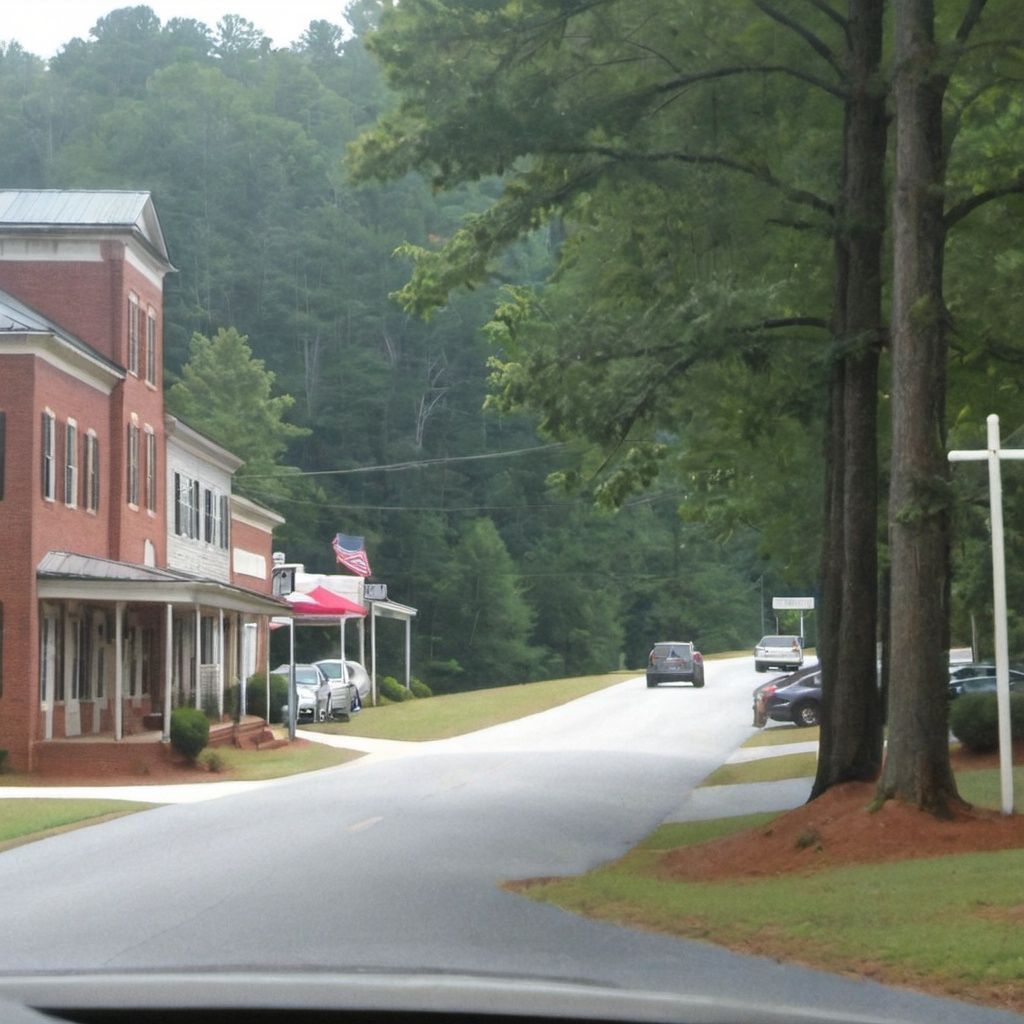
<point>131,579</point>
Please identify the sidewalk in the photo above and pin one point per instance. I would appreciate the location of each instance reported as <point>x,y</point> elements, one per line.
<point>751,797</point>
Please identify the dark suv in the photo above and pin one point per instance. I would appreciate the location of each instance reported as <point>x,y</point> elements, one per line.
<point>675,662</point>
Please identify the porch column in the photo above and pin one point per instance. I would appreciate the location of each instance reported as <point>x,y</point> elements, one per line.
<point>199,658</point>
<point>362,640</point>
<point>220,663</point>
<point>118,669</point>
<point>373,651</point>
<point>266,659</point>
<point>408,651</point>
<point>168,669</point>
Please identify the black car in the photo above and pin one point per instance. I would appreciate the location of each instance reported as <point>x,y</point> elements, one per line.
<point>983,683</point>
<point>796,698</point>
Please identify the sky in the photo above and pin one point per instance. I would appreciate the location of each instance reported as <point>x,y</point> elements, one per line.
<point>44,26</point>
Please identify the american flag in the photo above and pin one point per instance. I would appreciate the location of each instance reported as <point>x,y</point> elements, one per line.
<point>350,553</point>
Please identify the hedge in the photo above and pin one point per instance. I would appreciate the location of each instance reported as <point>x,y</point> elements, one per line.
<point>974,720</point>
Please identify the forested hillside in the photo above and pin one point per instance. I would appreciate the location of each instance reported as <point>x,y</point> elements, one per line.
<point>698,492</point>
<point>242,147</point>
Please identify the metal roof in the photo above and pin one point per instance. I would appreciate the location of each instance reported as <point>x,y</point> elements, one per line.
<point>79,208</point>
<point>67,575</point>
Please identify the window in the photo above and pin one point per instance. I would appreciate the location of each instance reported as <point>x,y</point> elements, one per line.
<point>71,464</point>
<point>91,489</point>
<point>133,335</point>
<point>49,456</point>
<point>209,516</point>
<point>225,523</point>
<point>186,507</point>
<point>133,464</point>
<point>151,346</point>
<point>150,470</point>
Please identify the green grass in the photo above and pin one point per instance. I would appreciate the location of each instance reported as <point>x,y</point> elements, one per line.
<point>436,718</point>
<point>768,769</point>
<point>256,765</point>
<point>949,923</point>
<point>36,817</point>
<point>781,734</point>
<point>982,788</point>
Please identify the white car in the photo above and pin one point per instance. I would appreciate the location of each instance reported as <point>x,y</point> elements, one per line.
<point>350,685</point>
<point>783,652</point>
<point>308,680</point>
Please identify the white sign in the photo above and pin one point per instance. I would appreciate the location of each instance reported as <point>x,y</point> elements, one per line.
<point>786,603</point>
<point>375,591</point>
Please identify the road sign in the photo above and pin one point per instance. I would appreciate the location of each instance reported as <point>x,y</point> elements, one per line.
<point>375,591</point>
<point>792,603</point>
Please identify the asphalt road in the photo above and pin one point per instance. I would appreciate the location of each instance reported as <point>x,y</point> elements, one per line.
<point>395,862</point>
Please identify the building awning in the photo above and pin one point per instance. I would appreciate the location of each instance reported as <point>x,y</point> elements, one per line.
<point>392,610</point>
<point>65,575</point>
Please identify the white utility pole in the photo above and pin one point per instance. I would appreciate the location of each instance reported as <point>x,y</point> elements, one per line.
<point>994,454</point>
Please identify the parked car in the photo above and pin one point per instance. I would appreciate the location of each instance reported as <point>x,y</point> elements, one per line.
<point>985,683</point>
<point>354,673</point>
<point>785,652</point>
<point>796,698</point>
<point>345,698</point>
<point>675,662</point>
<point>968,670</point>
<point>308,680</point>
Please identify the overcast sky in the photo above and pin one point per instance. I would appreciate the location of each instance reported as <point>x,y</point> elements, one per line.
<point>44,26</point>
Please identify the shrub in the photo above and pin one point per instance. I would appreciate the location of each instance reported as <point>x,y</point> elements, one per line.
<point>212,761</point>
<point>392,689</point>
<point>190,731</point>
<point>420,689</point>
<point>974,720</point>
<point>256,696</point>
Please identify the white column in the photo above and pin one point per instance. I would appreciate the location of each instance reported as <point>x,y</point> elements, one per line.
<point>373,652</point>
<point>408,652</point>
<point>118,669</point>
<point>168,669</point>
<point>199,657</point>
<point>220,663</point>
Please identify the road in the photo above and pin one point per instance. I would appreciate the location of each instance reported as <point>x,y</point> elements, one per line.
<point>395,862</point>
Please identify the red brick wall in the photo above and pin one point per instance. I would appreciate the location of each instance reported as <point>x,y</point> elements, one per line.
<point>258,541</point>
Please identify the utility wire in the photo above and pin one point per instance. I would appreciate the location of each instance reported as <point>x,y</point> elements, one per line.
<point>396,466</point>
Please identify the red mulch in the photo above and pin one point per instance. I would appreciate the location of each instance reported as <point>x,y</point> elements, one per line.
<point>838,829</point>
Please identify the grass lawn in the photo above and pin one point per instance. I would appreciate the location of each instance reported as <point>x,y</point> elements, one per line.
<point>949,924</point>
<point>778,735</point>
<point>768,769</point>
<point>440,717</point>
<point>36,818</point>
<point>255,765</point>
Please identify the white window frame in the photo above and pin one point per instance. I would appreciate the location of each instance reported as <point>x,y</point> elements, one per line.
<point>151,346</point>
<point>133,334</point>
<point>133,465</point>
<point>91,484</point>
<point>49,451</point>
<point>71,463</point>
<point>150,487</point>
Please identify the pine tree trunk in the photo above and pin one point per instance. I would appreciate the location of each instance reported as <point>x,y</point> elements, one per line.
<point>851,731</point>
<point>917,768</point>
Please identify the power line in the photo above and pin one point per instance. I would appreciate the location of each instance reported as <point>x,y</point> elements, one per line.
<point>394,467</point>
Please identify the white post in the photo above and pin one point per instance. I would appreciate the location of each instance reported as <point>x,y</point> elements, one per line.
<point>220,664</point>
<point>408,653</point>
<point>373,651</point>
<point>199,658</point>
<point>291,679</point>
<point>118,669</point>
<point>994,454</point>
<point>168,669</point>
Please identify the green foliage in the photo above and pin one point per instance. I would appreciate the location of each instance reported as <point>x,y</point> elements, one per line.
<point>256,696</point>
<point>190,731</point>
<point>391,689</point>
<point>419,688</point>
<point>974,720</point>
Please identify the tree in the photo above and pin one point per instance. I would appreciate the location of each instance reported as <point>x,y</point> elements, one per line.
<point>227,394</point>
<point>592,100</point>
